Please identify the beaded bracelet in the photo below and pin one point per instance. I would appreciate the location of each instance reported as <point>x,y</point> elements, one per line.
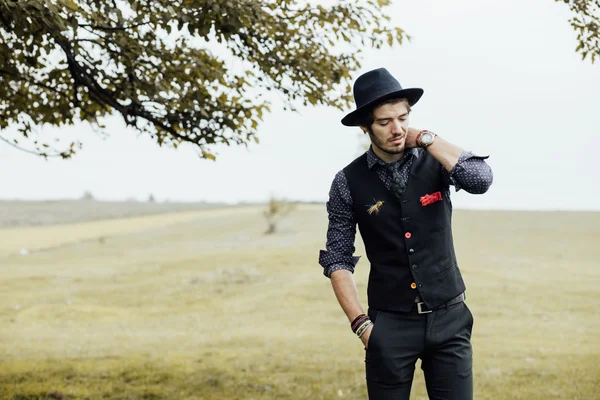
<point>363,329</point>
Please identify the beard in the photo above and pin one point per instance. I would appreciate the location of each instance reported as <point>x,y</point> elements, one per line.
<point>388,148</point>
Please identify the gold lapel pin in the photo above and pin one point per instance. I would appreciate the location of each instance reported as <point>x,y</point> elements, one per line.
<point>375,207</point>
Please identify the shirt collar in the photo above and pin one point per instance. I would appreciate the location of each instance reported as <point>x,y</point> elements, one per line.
<point>373,159</point>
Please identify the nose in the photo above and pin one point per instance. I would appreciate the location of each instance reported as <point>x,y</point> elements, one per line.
<point>397,128</point>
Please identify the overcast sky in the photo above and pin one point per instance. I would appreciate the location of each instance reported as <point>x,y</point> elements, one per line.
<point>500,78</point>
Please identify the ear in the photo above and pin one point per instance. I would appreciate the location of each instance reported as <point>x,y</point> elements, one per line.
<point>364,128</point>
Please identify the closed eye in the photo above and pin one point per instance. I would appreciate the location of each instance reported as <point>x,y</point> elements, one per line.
<point>386,122</point>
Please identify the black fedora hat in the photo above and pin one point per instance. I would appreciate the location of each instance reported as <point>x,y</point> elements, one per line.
<point>373,87</point>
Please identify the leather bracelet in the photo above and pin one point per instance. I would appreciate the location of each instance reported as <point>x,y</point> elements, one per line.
<point>365,319</point>
<point>357,318</point>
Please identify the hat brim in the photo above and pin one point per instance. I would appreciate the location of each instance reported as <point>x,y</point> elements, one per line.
<point>412,95</point>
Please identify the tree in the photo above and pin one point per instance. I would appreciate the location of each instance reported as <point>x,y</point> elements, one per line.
<point>66,61</point>
<point>586,22</point>
<point>87,196</point>
<point>276,210</point>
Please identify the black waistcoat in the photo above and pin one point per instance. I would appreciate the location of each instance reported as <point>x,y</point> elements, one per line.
<point>409,245</point>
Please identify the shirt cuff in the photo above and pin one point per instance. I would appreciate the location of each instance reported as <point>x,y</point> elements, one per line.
<point>458,167</point>
<point>337,267</point>
<point>332,261</point>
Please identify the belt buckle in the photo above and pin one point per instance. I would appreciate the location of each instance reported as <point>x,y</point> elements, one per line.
<point>420,308</point>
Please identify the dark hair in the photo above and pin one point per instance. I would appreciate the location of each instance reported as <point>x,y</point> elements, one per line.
<point>367,118</point>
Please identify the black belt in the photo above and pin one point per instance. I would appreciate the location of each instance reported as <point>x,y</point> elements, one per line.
<point>423,309</point>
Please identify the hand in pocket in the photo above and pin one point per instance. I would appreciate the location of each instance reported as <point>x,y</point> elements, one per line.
<point>365,337</point>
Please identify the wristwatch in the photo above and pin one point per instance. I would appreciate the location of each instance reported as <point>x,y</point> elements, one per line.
<point>425,138</point>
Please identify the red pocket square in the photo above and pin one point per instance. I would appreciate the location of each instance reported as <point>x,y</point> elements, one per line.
<point>430,198</point>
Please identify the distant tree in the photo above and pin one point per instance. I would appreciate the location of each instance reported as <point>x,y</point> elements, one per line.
<point>586,22</point>
<point>151,198</point>
<point>276,210</point>
<point>87,195</point>
<point>64,61</point>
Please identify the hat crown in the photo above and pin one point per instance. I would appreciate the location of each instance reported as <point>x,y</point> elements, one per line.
<point>373,85</point>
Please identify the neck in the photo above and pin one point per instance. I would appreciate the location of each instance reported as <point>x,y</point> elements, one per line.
<point>385,156</point>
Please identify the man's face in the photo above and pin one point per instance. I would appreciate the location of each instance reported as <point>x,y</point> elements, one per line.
<point>390,126</point>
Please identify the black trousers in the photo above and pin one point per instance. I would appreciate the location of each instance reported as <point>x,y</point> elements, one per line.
<point>441,339</point>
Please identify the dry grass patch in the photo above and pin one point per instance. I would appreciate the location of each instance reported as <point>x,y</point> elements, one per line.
<point>211,308</point>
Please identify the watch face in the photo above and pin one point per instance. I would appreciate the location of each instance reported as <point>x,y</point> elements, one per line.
<point>427,138</point>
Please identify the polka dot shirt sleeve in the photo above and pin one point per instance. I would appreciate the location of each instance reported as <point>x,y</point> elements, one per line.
<point>470,173</point>
<point>341,231</point>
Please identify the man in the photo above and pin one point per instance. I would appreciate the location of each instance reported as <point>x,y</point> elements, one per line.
<point>398,193</point>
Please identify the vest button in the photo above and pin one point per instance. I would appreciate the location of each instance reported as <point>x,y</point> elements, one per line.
<point>413,285</point>
<point>411,251</point>
<point>415,267</point>
<point>407,235</point>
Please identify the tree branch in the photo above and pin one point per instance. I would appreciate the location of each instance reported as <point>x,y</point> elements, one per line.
<point>135,109</point>
<point>114,28</point>
<point>62,154</point>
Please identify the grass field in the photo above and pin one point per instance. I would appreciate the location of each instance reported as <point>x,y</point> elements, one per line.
<point>202,305</point>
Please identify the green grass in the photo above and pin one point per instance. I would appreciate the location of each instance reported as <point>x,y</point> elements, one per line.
<point>207,307</point>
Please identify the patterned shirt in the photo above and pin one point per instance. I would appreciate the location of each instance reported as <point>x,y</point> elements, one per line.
<point>470,173</point>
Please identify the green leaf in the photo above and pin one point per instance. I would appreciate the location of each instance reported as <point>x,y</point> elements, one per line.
<point>208,155</point>
<point>71,5</point>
